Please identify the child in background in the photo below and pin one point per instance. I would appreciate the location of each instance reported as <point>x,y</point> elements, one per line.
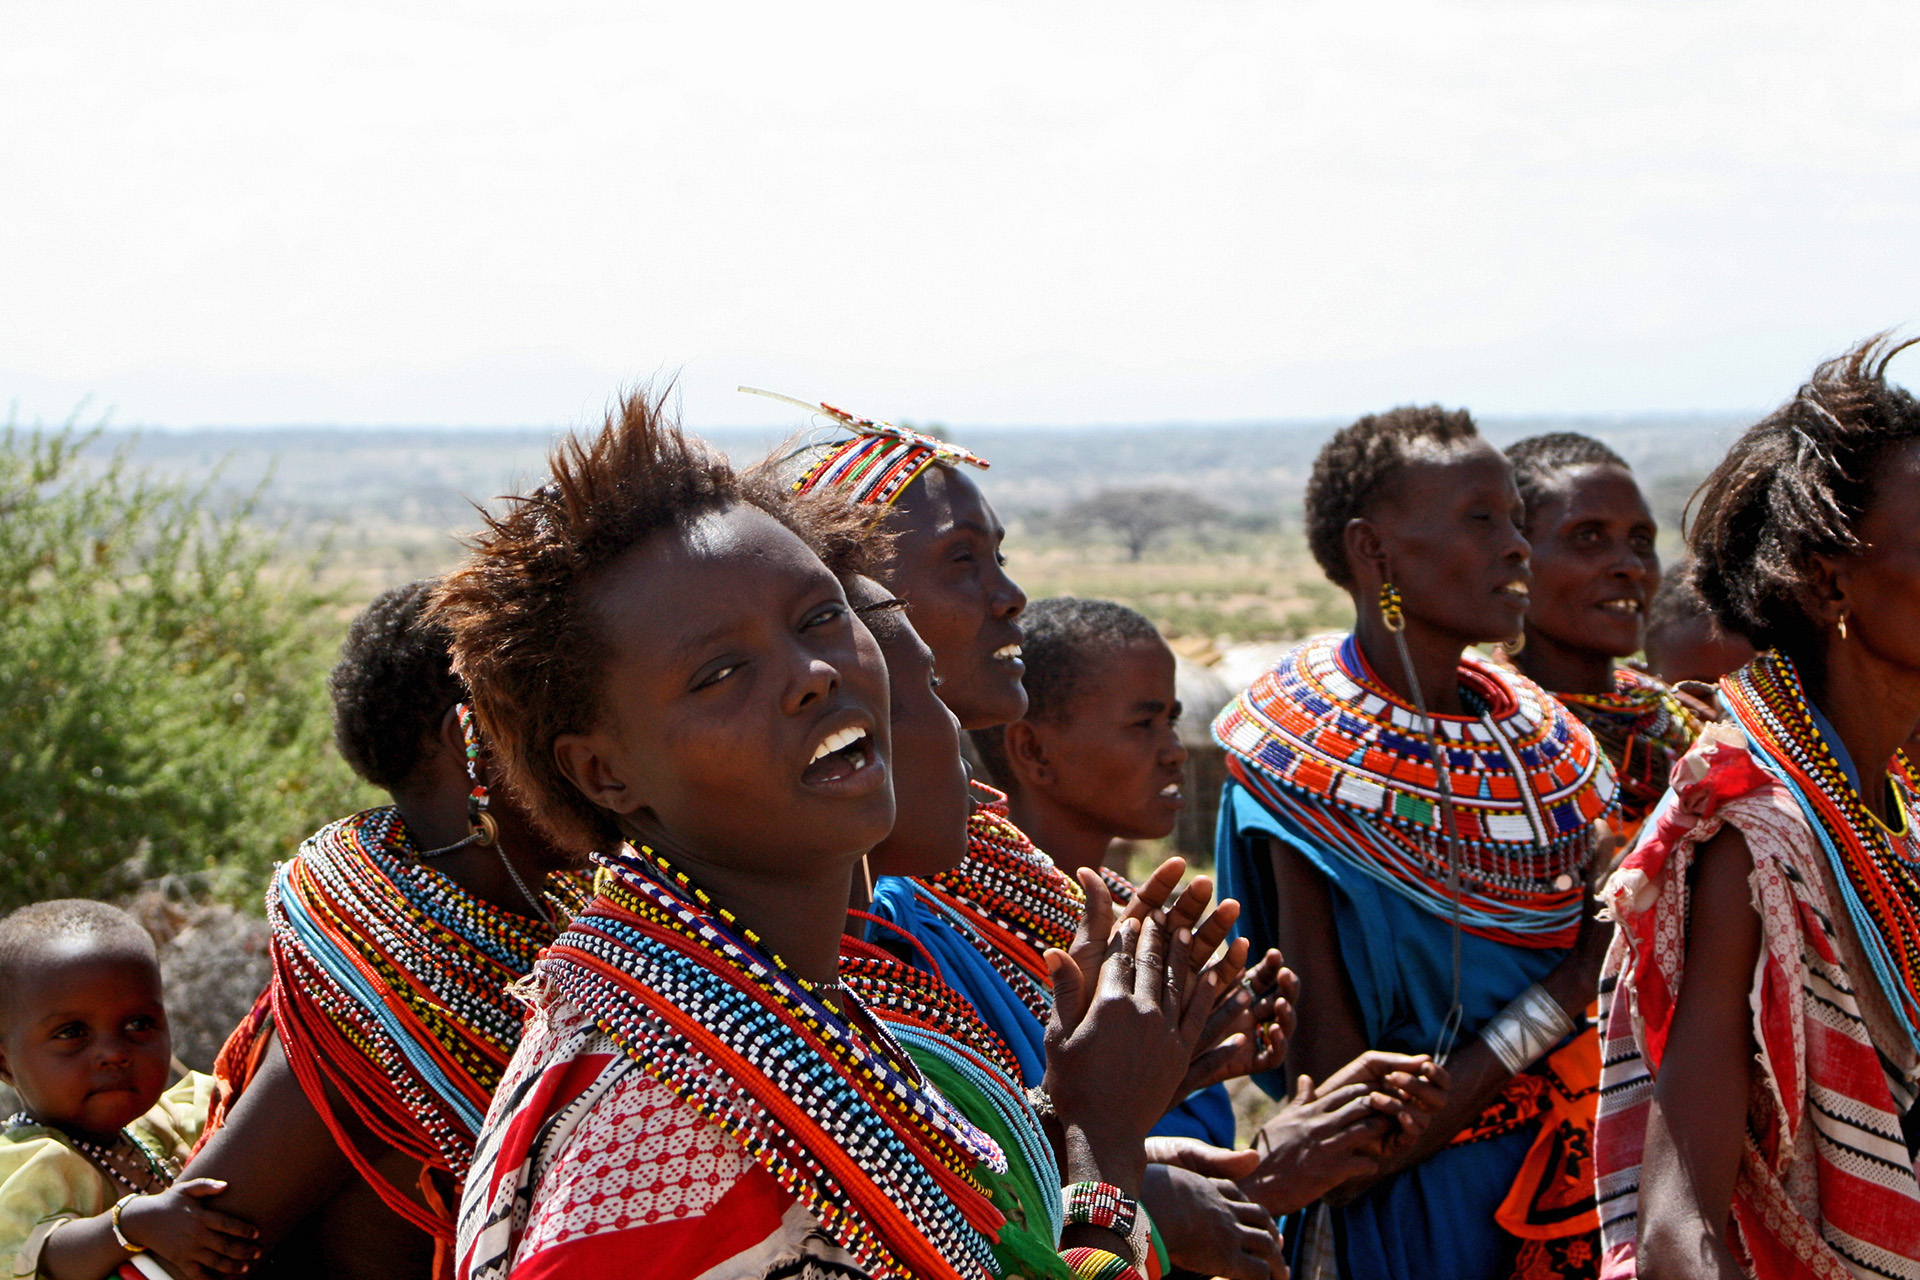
<point>87,1167</point>
<point>1095,759</point>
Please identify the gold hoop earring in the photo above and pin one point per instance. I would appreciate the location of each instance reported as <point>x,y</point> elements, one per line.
<point>1390,612</point>
<point>1842,624</point>
<point>1515,645</point>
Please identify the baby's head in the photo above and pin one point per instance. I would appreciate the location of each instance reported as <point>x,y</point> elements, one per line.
<point>83,1032</point>
<point>1098,740</point>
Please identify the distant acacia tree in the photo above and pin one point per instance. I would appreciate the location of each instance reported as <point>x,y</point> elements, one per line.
<point>162,696</point>
<point>1138,516</point>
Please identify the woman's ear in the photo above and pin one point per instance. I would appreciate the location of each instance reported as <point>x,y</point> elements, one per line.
<point>1027,755</point>
<point>1825,588</point>
<point>591,763</point>
<point>1366,553</point>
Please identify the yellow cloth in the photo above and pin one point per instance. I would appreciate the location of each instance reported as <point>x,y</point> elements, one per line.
<point>44,1181</point>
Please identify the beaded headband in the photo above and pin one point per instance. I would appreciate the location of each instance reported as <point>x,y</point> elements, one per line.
<point>878,463</point>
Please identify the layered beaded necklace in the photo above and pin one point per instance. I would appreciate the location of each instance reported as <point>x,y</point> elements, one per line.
<point>129,1160</point>
<point>1876,867</point>
<point>390,987</point>
<point>1009,900</point>
<point>834,1110</point>
<point>1524,780</point>
<point>1643,729</point>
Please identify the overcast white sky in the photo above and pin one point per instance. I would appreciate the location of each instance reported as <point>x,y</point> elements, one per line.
<point>1023,212</point>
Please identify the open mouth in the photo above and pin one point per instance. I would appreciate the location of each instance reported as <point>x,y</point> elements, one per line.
<point>840,755</point>
<point>1631,608</point>
<point>1171,793</point>
<point>1006,653</point>
<point>1518,590</point>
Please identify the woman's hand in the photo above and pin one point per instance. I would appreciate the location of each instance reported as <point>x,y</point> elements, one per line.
<point>1208,1224</point>
<point>1249,1029</point>
<point>1415,1084</point>
<point>1319,1140</point>
<point>1117,1051</point>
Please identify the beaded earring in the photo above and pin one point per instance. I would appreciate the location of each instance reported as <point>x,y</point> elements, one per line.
<point>1390,611</point>
<point>485,829</point>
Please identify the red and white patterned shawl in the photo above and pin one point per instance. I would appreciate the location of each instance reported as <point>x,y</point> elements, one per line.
<point>1826,1187</point>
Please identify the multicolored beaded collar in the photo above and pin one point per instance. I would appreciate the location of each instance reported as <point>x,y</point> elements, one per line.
<point>389,990</point>
<point>1876,867</point>
<point>878,463</point>
<point>1528,783</point>
<point>833,1109</point>
<point>1643,729</point>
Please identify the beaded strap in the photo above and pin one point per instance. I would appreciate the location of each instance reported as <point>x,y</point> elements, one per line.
<point>1098,1264</point>
<point>1101,1204</point>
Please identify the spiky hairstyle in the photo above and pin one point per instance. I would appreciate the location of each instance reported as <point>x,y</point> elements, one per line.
<point>26,930</point>
<point>392,685</point>
<point>1356,468</point>
<point>1539,460</point>
<point>1792,488</point>
<point>1058,635</point>
<point>525,634</point>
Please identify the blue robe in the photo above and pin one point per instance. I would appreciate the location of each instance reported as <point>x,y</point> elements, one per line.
<point>1434,1221</point>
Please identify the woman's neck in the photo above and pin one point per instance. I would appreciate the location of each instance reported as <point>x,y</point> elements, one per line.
<point>799,920</point>
<point>1872,705</point>
<point>436,820</point>
<point>1562,668</point>
<point>1435,661</point>
<point>1065,835</point>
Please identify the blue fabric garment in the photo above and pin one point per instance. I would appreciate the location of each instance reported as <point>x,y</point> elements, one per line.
<point>1434,1221</point>
<point>1206,1115</point>
<point>965,969</point>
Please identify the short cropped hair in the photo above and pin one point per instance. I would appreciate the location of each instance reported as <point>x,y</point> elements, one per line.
<point>1356,469</point>
<point>1059,634</point>
<point>1792,488</point>
<point>392,685</point>
<point>1538,460</point>
<point>25,930</point>
<point>526,637</point>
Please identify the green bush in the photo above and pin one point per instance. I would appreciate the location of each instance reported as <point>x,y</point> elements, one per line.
<point>162,683</point>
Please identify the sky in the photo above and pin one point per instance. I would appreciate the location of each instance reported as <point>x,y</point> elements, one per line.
<point>475,213</point>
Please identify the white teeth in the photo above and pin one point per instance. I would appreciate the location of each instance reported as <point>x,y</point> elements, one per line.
<point>1516,589</point>
<point>835,741</point>
<point>1620,606</point>
<point>1170,790</point>
<point>1007,651</point>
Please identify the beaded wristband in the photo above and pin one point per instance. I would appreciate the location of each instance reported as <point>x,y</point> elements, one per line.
<point>1098,1264</point>
<point>1100,1204</point>
<point>1522,1033</point>
<point>113,1220</point>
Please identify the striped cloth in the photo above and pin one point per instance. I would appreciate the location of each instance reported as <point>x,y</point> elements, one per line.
<point>1826,1184</point>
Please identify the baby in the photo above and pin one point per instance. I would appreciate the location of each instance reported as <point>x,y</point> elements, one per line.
<point>87,1167</point>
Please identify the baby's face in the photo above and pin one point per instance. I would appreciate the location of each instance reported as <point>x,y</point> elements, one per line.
<point>86,1041</point>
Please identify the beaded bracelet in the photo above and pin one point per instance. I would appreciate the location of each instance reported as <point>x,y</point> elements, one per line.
<point>1098,1264</point>
<point>1522,1033</point>
<point>113,1220</point>
<point>1100,1204</point>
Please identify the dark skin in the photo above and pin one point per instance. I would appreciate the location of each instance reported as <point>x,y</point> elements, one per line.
<point>947,566</point>
<point>1105,767</point>
<point>86,1046</point>
<point>1212,1226</point>
<point>286,1172</point>
<point>1868,686</point>
<point>1447,533</point>
<point>1594,572</point>
<point>1695,649</point>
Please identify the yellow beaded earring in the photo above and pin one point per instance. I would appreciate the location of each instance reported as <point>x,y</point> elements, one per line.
<point>1390,611</point>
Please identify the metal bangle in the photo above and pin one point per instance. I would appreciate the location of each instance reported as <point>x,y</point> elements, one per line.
<point>113,1220</point>
<point>1527,1029</point>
